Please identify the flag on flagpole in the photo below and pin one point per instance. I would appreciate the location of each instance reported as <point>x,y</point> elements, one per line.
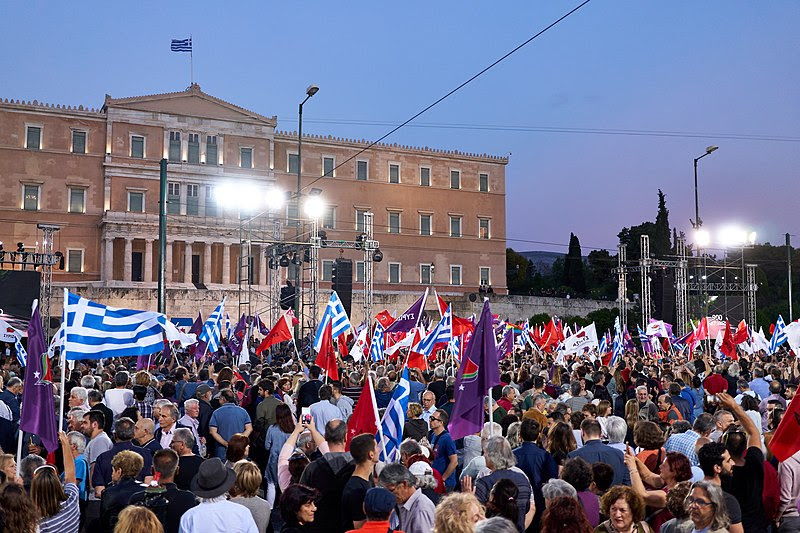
<point>280,332</point>
<point>377,345</point>
<point>212,329</point>
<point>792,332</point>
<point>96,331</point>
<point>441,333</point>
<point>410,318</point>
<point>506,346</point>
<point>584,340</point>
<point>477,374</point>
<point>326,356</point>
<point>728,347</point>
<point>365,416</point>
<point>228,331</point>
<point>645,340</point>
<point>56,341</point>
<point>262,328</point>
<point>38,406</point>
<point>22,355</point>
<point>619,347</point>
<point>360,346</point>
<point>784,442</point>
<point>778,337</point>
<point>336,316</point>
<point>394,419</point>
<point>237,341</point>
<point>181,45</point>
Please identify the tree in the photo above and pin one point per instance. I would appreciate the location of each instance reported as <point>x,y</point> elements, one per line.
<point>660,244</point>
<point>601,282</point>
<point>519,272</point>
<point>573,266</point>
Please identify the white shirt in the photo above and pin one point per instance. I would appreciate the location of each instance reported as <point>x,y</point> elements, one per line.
<point>223,517</point>
<point>166,437</point>
<point>118,399</point>
<point>5,411</point>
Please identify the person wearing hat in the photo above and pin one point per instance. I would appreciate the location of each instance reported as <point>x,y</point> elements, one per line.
<point>379,504</point>
<point>215,513</point>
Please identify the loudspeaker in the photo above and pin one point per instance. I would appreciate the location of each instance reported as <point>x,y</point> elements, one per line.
<point>342,282</point>
<point>18,290</point>
<point>663,285</point>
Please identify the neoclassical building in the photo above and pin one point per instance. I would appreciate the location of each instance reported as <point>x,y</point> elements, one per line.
<point>439,215</point>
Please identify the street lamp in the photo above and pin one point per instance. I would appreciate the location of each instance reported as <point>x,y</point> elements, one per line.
<point>697,222</point>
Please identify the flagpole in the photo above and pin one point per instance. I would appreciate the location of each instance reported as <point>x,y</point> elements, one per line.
<point>63,363</point>
<point>191,60</point>
<point>19,450</point>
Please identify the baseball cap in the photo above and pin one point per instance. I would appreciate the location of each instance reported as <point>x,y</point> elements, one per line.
<point>379,501</point>
<point>202,389</point>
<point>421,468</point>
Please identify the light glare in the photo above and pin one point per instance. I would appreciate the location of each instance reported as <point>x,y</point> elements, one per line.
<point>314,206</point>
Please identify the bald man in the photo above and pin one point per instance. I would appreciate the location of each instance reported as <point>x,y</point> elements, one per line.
<point>143,435</point>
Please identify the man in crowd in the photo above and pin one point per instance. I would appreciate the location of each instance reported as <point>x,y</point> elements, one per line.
<point>143,435</point>
<point>446,459</point>
<point>364,449</point>
<point>266,407</point>
<point>594,451</point>
<point>428,406</point>
<point>536,463</point>
<point>123,433</point>
<point>188,462</point>
<point>95,399</point>
<point>120,397</point>
<point>415,512</point>
<point>324,411</point>
<point>341,401</point>
<point>228,420</point>
<point>716,463</point>
<point>309,391</point>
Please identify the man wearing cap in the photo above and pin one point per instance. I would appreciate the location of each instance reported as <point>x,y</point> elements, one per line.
<point>378,506</point>
<point>215,513</point>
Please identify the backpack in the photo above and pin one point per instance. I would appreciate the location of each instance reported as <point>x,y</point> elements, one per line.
<point>155,499</point>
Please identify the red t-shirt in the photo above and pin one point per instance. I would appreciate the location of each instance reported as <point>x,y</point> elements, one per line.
<point>714,384</point>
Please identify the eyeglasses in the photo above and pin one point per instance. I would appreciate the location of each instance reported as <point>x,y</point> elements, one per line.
<point>434,418</point>
<point>698,502</point>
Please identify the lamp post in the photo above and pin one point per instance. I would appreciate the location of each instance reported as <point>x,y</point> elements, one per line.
<point>311,90</point>
<point>698,223</point>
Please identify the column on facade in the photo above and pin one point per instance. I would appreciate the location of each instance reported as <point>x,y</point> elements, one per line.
<point>148,261</point>
<point>127,260</point>
<point>206,272</point>
<point>108,259</point>
<point>168,263</point>
<point>226,263</point>
<point>262,268</point>
<point>187,263</point>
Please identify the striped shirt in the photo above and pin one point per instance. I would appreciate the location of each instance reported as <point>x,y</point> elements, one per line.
<point>68,519</point>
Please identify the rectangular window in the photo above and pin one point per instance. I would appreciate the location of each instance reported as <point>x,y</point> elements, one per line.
<point>360,225</point>
<point>77,200</point>
<point>173,198</point>
<point>78,142</point>
<point>394,173</point>
<point>211,202</point>
<point>360,272</point>
<point>484,228</point>
<point>327,270</point>
<point>455,179</point>
<point>425,224</point>
<point>394,272</point>
<point>192,199</point>
<point>455,274</point>
<point>33,138</point>
<point>74,260</point>
<point>211,150</point>
<point>394,222</point>
<point>293,164</point>
<point>30,200</point>
<point>194,149</point>
<point>329,218</point>
<point>483,182</point>
<point>137,146</point>
<point>291,213</point>
<point>425,176</point>
<point>486,278</point>
<point>136,202</point>
<point>425,273</point>
<point>246,157</point>
<point>327,166</point>
<point>174,146</point>
<point>455,226</point>
<point>362,168</point>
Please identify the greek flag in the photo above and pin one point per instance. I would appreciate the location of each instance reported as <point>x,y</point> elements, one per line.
<point>525,336</point>
<point>394,419</point>
<point>603,348</point>
<point>454,347</point>
<point>336,316</point>
<point>56,342</point>
<point>778,337</point>
<point>22,355</point>
<point>212,329</point>
<point>442,333</point>
<point>619,346</point>
<point>96,331</point>
<point>181,45</point>
<point>228,329</point>
<point>378,344</point>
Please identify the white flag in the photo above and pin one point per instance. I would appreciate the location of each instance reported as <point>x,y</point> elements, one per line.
<point>792,332</point>
<point>357,351</point>
<point>585,340</point>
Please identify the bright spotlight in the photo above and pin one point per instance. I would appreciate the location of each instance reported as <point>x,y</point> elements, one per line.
<point>225,195</point>
<point>274,199</point>
<point>702,238</point>
<point>751,237</point>
<point>314,206</point>
<point>734,237</point>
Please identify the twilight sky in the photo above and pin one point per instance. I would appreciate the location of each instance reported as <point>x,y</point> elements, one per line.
<point>597,114</point>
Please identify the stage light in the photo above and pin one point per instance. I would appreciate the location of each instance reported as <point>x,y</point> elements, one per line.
<point>314,207</point>
<point>702,238</point>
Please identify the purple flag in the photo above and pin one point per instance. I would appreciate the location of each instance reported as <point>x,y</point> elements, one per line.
<point>238,338</point>
<point>477,374</point>
<point>262,329</point>
<point>409,319</point>
<point>506,345</point>
<point>196,328</point>
<point>38,408</point>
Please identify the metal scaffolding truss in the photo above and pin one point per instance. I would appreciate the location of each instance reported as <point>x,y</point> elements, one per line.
<point>644,263</point>
<point>622,284</point>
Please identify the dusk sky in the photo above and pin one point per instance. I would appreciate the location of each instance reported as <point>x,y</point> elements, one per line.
<point>596,115</point>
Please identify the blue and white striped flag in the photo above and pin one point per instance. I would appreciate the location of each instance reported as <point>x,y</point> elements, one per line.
<point>336,316</point>
<point>454,347</point>
<point>96,331</point>
<point>378,343</point>
<point>22,355</point>
<point>228,330</point>
<point>181,45</point>
<point>619,344</point>
<point>212,329</point>
<point>778,336</point>
<point>394,419</point>
<point>56,342</point>
<point>442,333</point>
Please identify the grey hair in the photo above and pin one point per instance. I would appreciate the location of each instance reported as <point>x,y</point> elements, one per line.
<point>509,388</point>
<point>641,387</point>
<point>439,372</point>
<point>512,435</point>
<point>191,401</point>
<point>703,424</point>
<point>496,524</point>
<point>498,453</point>
<point>395,473</point>
<point>173,411</point>
<point>88,382</point>
<point>304,439</point>
<point>426,482</point>
<point>13,382</point>
<point>79,392</point>
<point>734,370</point>
<point>616,429</point>
<point>410,447</point>
<point>487,430</point>
<point>721,518</point>
<point>27,466</point>
<point>558,487</point>
<point>161,402</point>
<point>184,435</point>
<point>78,412</point>
<point>77,439</point>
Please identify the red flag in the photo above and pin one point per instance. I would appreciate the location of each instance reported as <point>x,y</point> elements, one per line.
<point>742,333</point>
<point>416,360</point>
<point>279,333</point>
<point>365,417</point>
<point>341,342</point>
<point>295,320</point>
<point>785,443</point>
<point>701,333</point>
<point>326,359</point>
<point>384,318</point>
<point>460,325</point>
<point>728,347</point>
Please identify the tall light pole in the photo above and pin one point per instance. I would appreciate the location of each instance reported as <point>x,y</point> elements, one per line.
<point>789,272</point>
<point>698,224</point>
<point>311,90</point>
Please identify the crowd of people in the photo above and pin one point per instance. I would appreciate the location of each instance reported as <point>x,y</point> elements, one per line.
<point>649,445</point>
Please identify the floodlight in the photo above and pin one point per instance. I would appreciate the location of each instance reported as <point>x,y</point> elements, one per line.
<point>314,206</point>
<point>702,238</point>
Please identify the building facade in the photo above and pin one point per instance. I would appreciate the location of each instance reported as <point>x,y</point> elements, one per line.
<point>439,215</point>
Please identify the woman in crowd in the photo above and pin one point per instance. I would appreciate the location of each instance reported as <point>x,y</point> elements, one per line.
<point>512,435</point>
<point>458,513</point>
<point>245,490</point>
<point>238,449</point>
<point>631,418</point>
<point>707,511</point>
<point>674,469</point>
<point>649,438</point>
<point>625,511</point>
<point>578,473</point>
<point>290,462</point>
<point>8,465</point>
<point>277,435</point>
<point>565,515</point>
<point>138,519</point>
<point>284,392</point>
<point>415,427</point>
<point>298,507</point>
<point>676,505</point>
<point>560,441</point>
<point>503,500</point>
<point>17,511</point>
<point>58,505</point>
<point>699,395</point>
